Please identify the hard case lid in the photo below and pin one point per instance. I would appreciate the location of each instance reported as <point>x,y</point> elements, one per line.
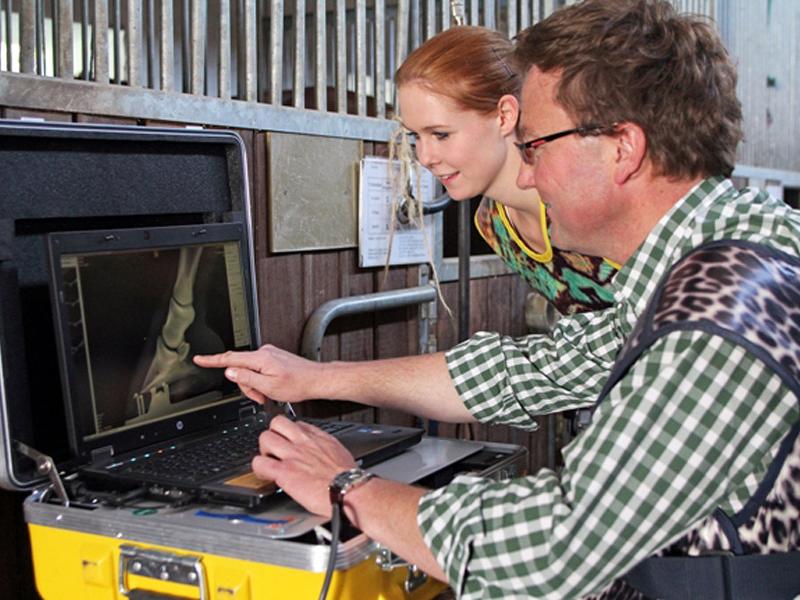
<point>65,177</point>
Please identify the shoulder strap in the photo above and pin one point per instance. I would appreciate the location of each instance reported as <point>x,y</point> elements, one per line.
<point>749,294</point>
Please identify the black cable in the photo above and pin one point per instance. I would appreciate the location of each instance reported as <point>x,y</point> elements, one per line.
<point>336,525</point>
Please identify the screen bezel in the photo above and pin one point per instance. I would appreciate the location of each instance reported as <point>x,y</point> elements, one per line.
<point>149,238</point>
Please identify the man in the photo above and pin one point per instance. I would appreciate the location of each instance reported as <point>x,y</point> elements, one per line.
<point>631,124</point>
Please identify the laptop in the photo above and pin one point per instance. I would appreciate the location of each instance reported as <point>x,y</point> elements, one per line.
<point>131,307</point>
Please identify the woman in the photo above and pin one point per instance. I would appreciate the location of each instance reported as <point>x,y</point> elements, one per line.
<point>457,97</point>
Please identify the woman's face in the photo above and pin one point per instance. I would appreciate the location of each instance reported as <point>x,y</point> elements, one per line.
<point>464,149</point>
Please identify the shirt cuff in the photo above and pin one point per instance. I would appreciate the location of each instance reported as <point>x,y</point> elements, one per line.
<point>450,521</point>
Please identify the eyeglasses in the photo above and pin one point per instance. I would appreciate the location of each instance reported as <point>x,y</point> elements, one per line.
<point>528,149</point>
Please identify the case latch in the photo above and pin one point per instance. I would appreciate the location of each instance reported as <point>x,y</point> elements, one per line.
<point>388,562</point>
<point>185,569</point>
<point>46,466</point>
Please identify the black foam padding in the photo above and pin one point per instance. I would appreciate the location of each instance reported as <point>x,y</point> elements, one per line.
<point>68,177</point>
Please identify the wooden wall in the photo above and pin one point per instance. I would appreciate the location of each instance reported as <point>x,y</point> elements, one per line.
<point>290,288</point>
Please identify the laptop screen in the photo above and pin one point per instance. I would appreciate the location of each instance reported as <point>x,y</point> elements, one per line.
<point>131,308</point>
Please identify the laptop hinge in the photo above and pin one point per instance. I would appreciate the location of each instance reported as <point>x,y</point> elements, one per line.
<point>102,454</point>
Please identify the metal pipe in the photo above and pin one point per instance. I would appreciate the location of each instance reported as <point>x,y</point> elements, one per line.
<point>341,57</point>
<point>117,41</point>
<point>199,32</point>
<point>321,73</point>
<point>300,54</point>
<point>100,45</point>
<point>27,38</point>
<point>41,61</point>
<point>167,44</point>
<point>276,53</point>
<point>9,36</point>
<point>224,65</point>
<point>317,323</point>
<point>186,44</point>
<point>66,67</point>
<point>151,44</point>
<point>134,29</point>
<point>380,59</point>
<point>360,66</point>
<point>250,52</point>
<point>85,39</point>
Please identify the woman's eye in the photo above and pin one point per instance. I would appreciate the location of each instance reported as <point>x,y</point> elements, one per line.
<point>440,135</point>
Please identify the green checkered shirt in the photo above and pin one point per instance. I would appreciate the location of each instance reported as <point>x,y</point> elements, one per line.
<point>692,426</point>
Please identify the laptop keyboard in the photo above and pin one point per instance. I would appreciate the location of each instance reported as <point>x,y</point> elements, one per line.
<point>196,462</point>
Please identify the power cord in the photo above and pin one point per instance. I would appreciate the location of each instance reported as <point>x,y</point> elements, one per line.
<point>336,526</point>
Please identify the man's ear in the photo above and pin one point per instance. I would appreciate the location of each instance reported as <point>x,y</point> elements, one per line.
<point>631,149</point>
<point>507,114</point>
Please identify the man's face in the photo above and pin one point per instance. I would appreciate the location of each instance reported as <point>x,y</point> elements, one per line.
<point>573,173</point>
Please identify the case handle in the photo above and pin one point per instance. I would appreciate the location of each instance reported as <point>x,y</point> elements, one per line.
<point>186,569</point>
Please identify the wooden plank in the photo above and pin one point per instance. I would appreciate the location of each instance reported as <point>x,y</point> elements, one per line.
<point>281,315</point>
<point>355,332</point>
<point>320,283</point>
<point>258,200</point>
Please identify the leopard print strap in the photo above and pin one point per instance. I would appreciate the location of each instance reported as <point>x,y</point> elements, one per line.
<point>749,294</point>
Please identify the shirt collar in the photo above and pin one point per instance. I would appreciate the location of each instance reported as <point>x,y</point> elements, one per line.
<point>641,274</point>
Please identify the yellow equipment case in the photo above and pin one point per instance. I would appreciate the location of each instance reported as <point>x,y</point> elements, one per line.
<point>62,177</point>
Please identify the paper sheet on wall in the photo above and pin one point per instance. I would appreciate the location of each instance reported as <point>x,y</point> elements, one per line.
<point>410,244</point>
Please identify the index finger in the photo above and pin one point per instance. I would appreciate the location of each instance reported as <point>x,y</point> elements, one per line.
<point>248,360</point>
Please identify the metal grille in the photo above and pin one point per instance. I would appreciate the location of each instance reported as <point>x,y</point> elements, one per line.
<point>331,56</point>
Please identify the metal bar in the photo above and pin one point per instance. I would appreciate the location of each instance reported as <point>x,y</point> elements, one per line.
<point>380,59</point>
<point>300,53</point>
<point>430,19</point>
<point>41,62</point>
<point>525,13</point>
<point>85,45</point>
<point>489,13</point>
<point>403,10</point>
<point>341,57</point>
<point>224,66</point>
<point>48,93</point>
<point>66,67</point>
<point>100,45</point>
<point>474,13</point>
<point>117,41</point>
<point>361,58</point>
<point>199,8</point>
<point>27,38</point>
<point>9,35</point>
<point>548,7</point>
<point>167,44</point>
<point>512,17</point>
<point>250,52</point>
<point>134,29</point>
<point>276,53</point>
<point>317,323</point>
<point>8,67</point>
<point>186,45</point>
<point>416,20</point>
<point>151,44</point>
<point>321,83</point>
<point>446,14</point>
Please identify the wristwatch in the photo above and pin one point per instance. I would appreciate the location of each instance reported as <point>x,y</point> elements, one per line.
<point>346,481</point>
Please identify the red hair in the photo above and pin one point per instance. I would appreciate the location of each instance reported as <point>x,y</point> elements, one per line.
<point>466,64</point>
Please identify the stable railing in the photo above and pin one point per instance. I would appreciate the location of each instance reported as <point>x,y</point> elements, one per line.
<point>332,56</point>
